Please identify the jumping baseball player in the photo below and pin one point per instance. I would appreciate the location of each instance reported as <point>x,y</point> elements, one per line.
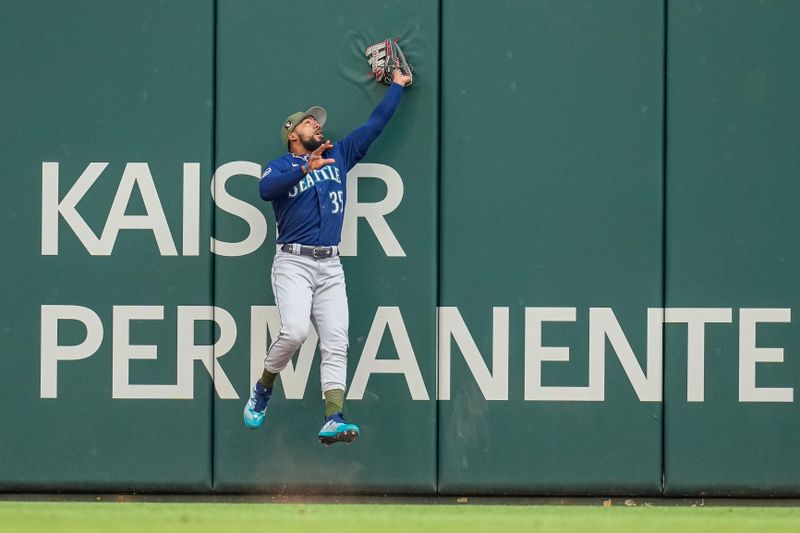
<point>307,189</point>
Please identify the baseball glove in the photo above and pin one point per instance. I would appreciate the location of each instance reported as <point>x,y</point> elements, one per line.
<point>384,57</point>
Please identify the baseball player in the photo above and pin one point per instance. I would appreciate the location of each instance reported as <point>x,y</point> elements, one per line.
<point>307,189</point>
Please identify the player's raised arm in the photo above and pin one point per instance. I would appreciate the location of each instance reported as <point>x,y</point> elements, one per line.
<point>355,145</point>
<point>389,66</point>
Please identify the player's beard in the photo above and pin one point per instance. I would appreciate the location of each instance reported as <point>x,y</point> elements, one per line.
<point>310,143</point>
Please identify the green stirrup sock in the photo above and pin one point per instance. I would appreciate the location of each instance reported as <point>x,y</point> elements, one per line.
<point>334,401</point>
<point>268,379</point>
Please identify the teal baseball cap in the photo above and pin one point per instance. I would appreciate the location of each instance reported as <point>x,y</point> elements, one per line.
<point>294,119</point>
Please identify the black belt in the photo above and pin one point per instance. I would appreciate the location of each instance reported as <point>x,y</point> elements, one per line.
<point>317,252</point>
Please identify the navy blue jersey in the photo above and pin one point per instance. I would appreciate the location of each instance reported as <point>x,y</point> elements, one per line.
<point>310,208</point>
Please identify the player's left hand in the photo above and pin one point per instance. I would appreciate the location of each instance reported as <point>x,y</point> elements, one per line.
<point>388,63</point>
<point>399,78</point>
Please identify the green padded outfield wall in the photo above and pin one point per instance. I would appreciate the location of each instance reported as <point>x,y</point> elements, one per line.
<point>551,205</point>
<point>732,422</point>
<point>505,247</point>
<point>268,66</point>
<point>103,103</point>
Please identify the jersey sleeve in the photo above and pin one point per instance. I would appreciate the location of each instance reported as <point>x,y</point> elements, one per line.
<point>354,147</point>
<point>278,177</point>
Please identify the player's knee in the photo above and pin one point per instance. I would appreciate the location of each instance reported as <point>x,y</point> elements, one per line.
<point>295,334</point>
<point>334,349</point>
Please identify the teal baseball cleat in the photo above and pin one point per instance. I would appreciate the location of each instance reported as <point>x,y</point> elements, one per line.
<point>337,430</point>
<point>256,407</point>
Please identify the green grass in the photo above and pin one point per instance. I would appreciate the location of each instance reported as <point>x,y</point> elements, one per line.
<point>29,517</point>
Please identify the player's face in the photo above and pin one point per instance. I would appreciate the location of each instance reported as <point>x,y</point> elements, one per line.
<point>309,133</point>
